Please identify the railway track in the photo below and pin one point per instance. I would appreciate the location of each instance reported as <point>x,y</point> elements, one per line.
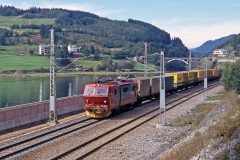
<point>12,149</point>
<point>37,140</point>
<point>92,145</point>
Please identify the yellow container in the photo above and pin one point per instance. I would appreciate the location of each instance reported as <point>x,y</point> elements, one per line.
<point>192,75</point>
<point>210,73</point>
<point>179,77</point>
<point>200,74</point>
<point>215,73</point>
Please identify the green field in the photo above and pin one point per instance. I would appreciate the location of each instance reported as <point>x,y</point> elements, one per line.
<point>94,64</point>
<point>17,58</point>
<point>139,66</point>
<point>88,63</point>
<point>18,50</point>
<point>7,21</point>
<point>23,62</point>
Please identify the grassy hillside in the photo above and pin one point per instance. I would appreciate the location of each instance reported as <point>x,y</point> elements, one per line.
<point>18,58</point>
<point>22,62</point>
<point>7,22</point>
<point>18,50</point>
<point>94,64</point>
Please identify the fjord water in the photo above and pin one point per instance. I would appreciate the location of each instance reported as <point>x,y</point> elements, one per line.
<point>22,90</point>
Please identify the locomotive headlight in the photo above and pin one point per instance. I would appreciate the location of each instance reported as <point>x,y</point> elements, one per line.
<point>86,100</point>
<point>105,101</point>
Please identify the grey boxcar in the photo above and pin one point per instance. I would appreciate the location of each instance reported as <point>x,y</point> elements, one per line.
<point>143,87</point>
<point>154,82</point>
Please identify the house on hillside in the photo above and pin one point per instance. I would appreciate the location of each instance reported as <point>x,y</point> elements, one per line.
<point>44,49</point>
<point>220,52</point>
<point>74,50</point>
<point>233,53</point>
<point>138,58</point>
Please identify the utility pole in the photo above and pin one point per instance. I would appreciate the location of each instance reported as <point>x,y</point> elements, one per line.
<point>145,60</point>
<point>52,105</point>
<point>41,91</point>
<point>190,61</point>
<point>162,86</point>
<point>205,79</point>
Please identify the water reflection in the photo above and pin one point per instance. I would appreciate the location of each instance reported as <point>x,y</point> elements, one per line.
<point>14,91</point>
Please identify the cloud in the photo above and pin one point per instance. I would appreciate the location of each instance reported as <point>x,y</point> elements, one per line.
<point>194,35</point>
<point>179,20</point>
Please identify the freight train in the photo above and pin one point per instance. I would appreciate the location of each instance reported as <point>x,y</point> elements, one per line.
<point>102,98</point>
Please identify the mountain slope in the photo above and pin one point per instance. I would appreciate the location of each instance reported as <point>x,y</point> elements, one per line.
<point>91,32</point>
<point>232,45</point>
<point>210,45</point>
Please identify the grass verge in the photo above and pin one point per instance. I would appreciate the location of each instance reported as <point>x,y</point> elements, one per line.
<point>224,128</point>
<point>194,117</point>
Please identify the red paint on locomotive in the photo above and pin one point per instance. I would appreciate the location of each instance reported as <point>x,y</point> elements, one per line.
<point>100,99</point>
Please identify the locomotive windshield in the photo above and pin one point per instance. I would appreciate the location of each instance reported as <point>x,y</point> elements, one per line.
<point>89,91</point>
<point>102,92</point>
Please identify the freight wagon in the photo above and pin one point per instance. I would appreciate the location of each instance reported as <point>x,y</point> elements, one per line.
<point>103,98</point>
<point>154,83</point>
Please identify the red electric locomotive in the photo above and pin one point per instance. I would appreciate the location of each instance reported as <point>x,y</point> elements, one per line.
<point>102,98</point>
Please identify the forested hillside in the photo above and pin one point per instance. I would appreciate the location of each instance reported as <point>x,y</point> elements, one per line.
<point>232,44</point>
<point>96,35</point>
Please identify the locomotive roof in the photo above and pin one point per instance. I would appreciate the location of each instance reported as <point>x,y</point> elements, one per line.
<point>112,83</point>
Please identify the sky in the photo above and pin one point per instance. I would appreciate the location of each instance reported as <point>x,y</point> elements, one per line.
<point>194,21</point>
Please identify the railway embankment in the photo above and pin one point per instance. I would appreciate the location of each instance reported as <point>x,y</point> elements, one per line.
<point>214,130</point>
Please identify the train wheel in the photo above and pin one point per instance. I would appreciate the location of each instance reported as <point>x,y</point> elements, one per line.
<point>116,111</point>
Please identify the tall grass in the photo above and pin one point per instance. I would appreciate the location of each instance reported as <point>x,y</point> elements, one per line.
<point>194,117</point>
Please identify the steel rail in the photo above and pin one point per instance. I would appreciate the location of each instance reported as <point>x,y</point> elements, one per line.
<point>25,141</point>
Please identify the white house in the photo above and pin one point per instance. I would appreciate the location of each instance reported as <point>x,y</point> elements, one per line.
<point>73,48</point>
<point>220,52</point>
<point>135,59</point>
<point>43,49</point>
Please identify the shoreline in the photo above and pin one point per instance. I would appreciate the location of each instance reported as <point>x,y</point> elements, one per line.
<point>63,74</point>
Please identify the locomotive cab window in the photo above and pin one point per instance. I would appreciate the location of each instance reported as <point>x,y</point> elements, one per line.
<point>102,91</point>
<point>115,91</point>
<point>89,91</point>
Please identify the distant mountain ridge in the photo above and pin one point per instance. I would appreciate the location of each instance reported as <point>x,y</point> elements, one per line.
<point>208,46</point>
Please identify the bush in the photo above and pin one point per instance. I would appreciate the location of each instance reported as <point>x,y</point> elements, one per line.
<point>231,77</point>
<point>31,51</point>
